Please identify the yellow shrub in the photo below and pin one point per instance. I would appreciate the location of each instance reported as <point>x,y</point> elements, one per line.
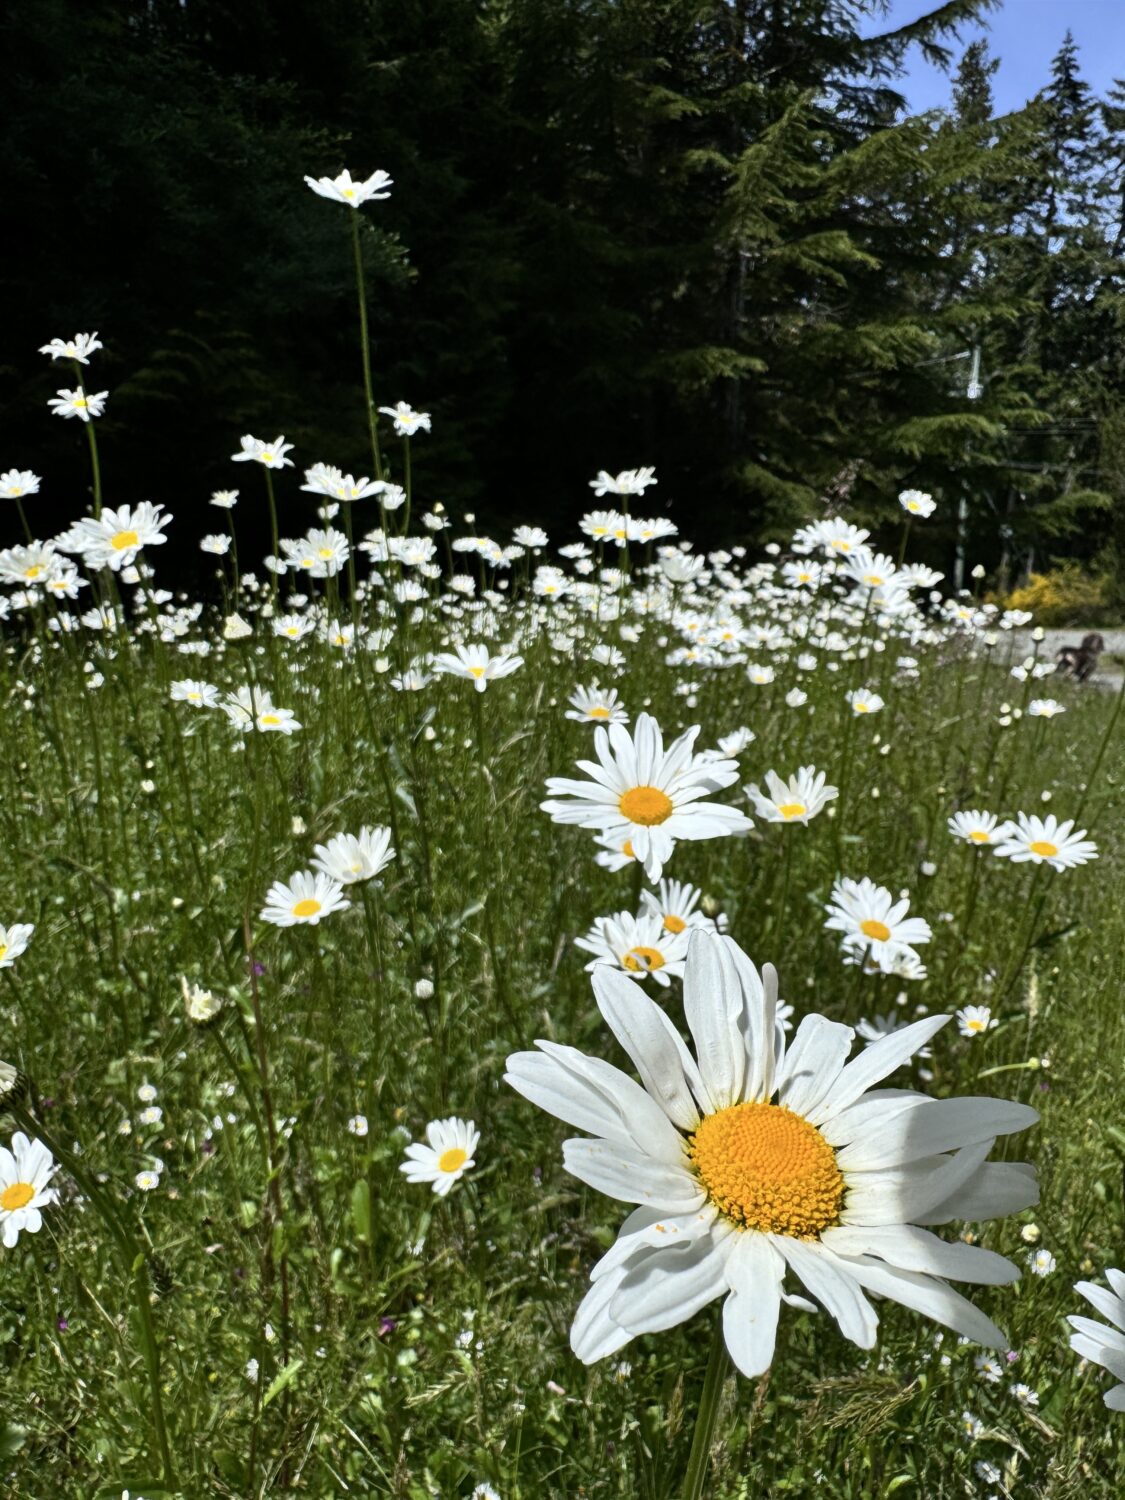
<point>1065,596</point>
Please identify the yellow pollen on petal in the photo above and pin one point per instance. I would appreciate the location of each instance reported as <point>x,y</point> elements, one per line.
<point>450,1160</point>
<point>643,960</point>
<point>598,713</point>
<point>18,1195</point>
<point>878,932</point>
<point>980,836</point>
<point>646,805</point>
<point>122,540</point>
<point>306,908</point>
<point>672,923</point>
<point>768,1169</point>
<point>1042,847</point>
<point>790,810</point>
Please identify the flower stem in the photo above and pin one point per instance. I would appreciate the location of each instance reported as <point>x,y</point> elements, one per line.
<point>365,347</point>
<point>707,1416</point>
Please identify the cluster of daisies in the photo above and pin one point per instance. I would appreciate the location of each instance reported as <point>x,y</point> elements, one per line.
<point>1026,839</point>
<point>309,896</point>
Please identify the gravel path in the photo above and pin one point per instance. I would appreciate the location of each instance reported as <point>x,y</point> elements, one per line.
<point>1111,663</point>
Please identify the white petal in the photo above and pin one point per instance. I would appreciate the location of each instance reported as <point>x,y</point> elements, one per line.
<point>813,1063</point>
<point>648,1229</point>
<point>1115,1399</point>
<point>827,1278</point>
<point>754,1274</point>
<point>1109,1305</point>
<point>712,1005</point>
<point>874,1063</point>
<point>594,1334</point>
<point>998,1188</point>
<point>931,1128</point>
<point>912,1249</point>
<point>933,1299</point>
<point>902,1195</point>
<point>869,1114</point>
<point>632,1177</point>
<point>669,1286</point>
<point>651,1041</point>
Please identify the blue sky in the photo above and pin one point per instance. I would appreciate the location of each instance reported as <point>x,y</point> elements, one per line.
<point>1025,35</point>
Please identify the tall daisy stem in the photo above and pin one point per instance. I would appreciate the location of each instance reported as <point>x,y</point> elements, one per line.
<point>365,347</point>
<point>718,1366</point>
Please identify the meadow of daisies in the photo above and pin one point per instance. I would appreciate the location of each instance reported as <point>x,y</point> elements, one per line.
<point>545,1016</point>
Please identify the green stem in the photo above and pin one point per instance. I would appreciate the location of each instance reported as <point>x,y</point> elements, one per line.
<point>365,347</point>
<point>707,1416</point>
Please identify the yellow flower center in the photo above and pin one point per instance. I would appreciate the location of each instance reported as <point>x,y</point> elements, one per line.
<point>124,539</point>
<point>450,1160</point>
<point>80,403</point>
<point>646,805</point>
<point>979,836</point>
<point>673,923</point>
<point>477,672</point>
<point>19,1195</point>
<point>33,572</point>
<point>643,960</point>
<point>1041,846</point>
<point>874,579</point>
<point>267,456</point>
<point>599,713</point>
<point>768,1169</point>
<point>270,719</point>
<point>306,908</point>
<point>627,849</point>
<point>878,932</point>
<point>3,950</point>
<point>975,1025</point>
<point>325,552</point>
<point>792,810</point>
<point>861,707</point>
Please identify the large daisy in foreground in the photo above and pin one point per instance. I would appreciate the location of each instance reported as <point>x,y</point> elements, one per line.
<point>646,795</point>
<point>752,1160</point>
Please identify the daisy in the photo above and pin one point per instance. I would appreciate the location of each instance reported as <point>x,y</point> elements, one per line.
<point>273,720</point>
<point>834,537</point>
<point>14,941</point>
<point>793,801</point>
<point>617,853</point>
<point>639,945</point>
<point>1044,708</point>
<point>201,1005</point>
<point>357,1125</point>
<point>802,575</point>
<point>640,792</point>
<point>864,701</point>
<point>1046,841</point>
<point>872,922</point>
<point>25,1171</point>
<point>447,1156</point>
<point>675,904</point>
<point>343,189</point>
<point>293,627</point>
<point>32,564</point>
<point>758,675</point>
<point>320,553</point>
<point>592,705</point>
<point>1095,1341</point>
<point>16,483</point>
<point>224,499</point>
<point>975,1020</point>
<point>269,455</point>
<point>917,503</point>
<point>407,421</point>
<point>475,664</point>
<point>628,482</point>
<point>198,694</point>
<point>977,827</point>
<point>1041,1262</point>
<point>114,539</point>
<point>78,404</point>
<point>753,1159</point>
<point>217,545</point>
<point>737,741</point>
<point>350,857</point>
<point>80,347</point>
<point>871,569</point>
<point>307,897</point>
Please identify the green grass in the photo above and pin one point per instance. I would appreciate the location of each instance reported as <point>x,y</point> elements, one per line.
<point>420,1346</point>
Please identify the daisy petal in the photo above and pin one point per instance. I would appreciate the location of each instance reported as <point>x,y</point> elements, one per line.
<point>754,1274</point>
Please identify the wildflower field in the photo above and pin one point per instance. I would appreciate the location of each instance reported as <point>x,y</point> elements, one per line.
<point>342,893</point>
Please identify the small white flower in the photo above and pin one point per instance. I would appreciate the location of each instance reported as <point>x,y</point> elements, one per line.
<point>446,1157</point>
<point>79,348</point>
<point>1041,1262</point>
<point>975,1020</point>
<point>357,1125</point>
<point>269,455</point>
<point>344,189</point>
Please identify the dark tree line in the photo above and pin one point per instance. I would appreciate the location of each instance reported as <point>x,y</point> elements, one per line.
<point>696,233</point>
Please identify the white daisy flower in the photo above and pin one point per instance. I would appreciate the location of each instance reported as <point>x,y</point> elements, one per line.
<point>446,1157</point>
<point>224,499</point>
<point>640,792</point>
<point>675,904</point>
<point>216,544</point>
<point>114,539</point>
<point>14,941</point>
<point>344,189</point>
<point>975,1020</point>
<point>864,701</point>
<point>15,483</point>
<point>306,897</point>
<point>1044,708</point>
<point>835,537</point>
<point>753,1159</point>
<point>1095,1341</point>
<point>976,827</point>
<point>198,694</point>
<point>628,482</point>
<point>793,801</point>
<point>593,706</point>
<point>917,503</point>
<point>25,1172</point>
<point>350,858</point>
<point>357,1125</point>
<point>407,421</point>
<point>80,347</point>
<point>269,455</point>
<point>639,945</point>
<point>872,922</point>
<point>737,741</point>
<point>1046,841</point>
<point>81,404</point>
<point>476,664</point>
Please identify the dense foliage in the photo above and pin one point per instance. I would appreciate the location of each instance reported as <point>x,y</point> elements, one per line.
<point>703,234</point>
